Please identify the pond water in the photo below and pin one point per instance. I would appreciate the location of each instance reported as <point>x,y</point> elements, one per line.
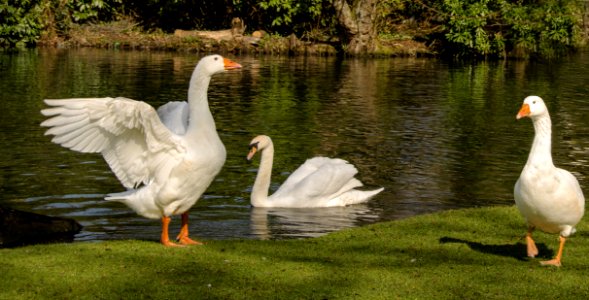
<point>437,135</point>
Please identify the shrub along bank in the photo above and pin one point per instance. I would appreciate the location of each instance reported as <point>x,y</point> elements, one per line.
<point>474,28</point>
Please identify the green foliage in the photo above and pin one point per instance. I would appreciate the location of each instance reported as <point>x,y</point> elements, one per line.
<point>283,10</point>
<point>24,21</point>
<point>71,12</point>
<point>21,23</point>
<point>497,27</point>
<point>481,28</point>
<point>301,17</point>
<point>390,12</point>
<point>82,10</point>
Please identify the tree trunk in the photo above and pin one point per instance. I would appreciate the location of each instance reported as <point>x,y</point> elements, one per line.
<point>357,22</point>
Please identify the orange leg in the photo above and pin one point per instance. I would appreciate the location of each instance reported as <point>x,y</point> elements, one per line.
<point>165,239</point>
<point>183,235</point>
<point>532,249</point>
<point>556,260</point>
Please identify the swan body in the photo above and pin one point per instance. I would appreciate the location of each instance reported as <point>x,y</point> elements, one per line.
<point>166,158</point>
<point>548,197</point>
<point>319,182</point>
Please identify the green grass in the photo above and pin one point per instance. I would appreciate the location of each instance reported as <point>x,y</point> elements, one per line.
<point>460,254</point>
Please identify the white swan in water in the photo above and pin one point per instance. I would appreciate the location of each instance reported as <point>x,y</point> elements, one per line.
<point>319,182</point>
<point>165,159</point>
<point>548,197</point>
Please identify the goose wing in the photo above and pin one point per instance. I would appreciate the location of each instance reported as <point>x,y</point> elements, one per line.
<point>128,133</point>
<point>175,116</point>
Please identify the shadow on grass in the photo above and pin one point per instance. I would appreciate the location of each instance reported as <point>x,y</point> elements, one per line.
<point>517,251</point>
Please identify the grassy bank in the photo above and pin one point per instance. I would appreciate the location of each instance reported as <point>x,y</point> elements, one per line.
<point>462,254</point>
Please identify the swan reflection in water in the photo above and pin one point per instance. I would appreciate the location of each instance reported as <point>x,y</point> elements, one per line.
<point>272,223</point>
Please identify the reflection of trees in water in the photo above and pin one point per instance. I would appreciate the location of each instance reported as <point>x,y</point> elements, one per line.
<point>385,118</point>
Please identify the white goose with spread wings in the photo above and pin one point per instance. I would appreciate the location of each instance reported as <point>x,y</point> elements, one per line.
<point>319,182</point>
<point>548,197</point>
<point>165,159</point>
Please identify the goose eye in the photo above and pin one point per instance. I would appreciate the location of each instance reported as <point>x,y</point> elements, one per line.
<point>534,102</point>
<point>216,58</point>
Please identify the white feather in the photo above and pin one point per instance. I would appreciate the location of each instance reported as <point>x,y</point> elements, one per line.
<point>165,162</point>
<point>175,116</point>
<point>548,197</point>
<point>319,182</point>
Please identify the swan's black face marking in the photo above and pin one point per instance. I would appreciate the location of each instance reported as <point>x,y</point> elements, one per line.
<point>254,145</point>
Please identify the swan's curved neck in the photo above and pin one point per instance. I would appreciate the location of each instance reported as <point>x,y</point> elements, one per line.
<point>201,118</point>
<point>541,152</point>
<point>259,196</point>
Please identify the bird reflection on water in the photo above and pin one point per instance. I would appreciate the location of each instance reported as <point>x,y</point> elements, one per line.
<point>269,223</point>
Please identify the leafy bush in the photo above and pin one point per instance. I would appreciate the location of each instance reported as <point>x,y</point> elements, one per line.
<point>480,28</point>
<point>21,24</point>
<point>295,16</point>
<point>500,27</point>
<point>24,21</point>
<point>83,10</point>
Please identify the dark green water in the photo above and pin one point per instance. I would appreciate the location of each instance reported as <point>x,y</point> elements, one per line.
<point>436,135</point>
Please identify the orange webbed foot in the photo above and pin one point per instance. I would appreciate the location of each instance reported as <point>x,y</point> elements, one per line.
<point>183,235</point>
<point>170,244</point>
<point>185,240</point>
<point>553,262</point>
<point>556,260</point>
<point>165,240</point>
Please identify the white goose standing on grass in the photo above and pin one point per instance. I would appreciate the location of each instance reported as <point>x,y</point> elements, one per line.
<point>319,182</point>
<point>548,197</point>
<point>165,159</point>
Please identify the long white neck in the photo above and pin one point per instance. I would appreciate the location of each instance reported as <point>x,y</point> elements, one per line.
<point>541,152</point>
<point>259,196</point>
<point>200,120</point>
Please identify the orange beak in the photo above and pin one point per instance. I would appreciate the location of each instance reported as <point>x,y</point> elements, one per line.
<point>252,152</point>
<point>230,65</point>
<point>523,112</point>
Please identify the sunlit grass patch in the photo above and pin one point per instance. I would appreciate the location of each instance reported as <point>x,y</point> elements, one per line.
<point>467,253</point>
